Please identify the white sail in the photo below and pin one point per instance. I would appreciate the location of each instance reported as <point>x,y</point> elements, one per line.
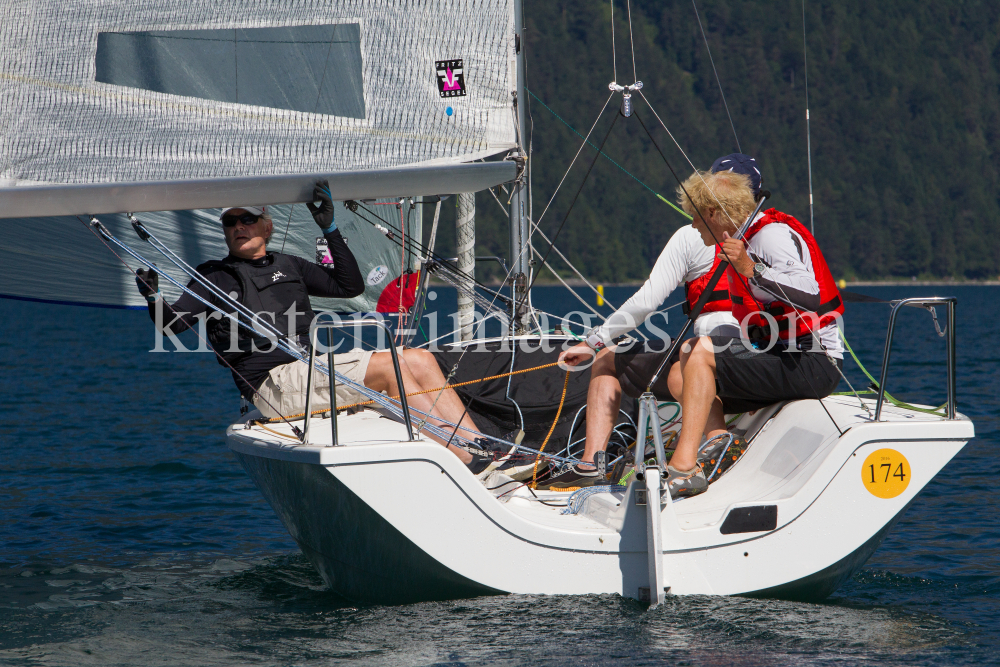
<point>127,105</point>
<point>139,90</point>
<point>61,260</point>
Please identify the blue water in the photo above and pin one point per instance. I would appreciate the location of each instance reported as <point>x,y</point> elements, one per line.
<point>131,536</point>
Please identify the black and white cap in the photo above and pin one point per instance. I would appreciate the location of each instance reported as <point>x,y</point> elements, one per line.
<point>256,210</point>
<point>741,164</point>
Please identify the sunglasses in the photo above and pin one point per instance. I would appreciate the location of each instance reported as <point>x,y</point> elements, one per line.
<point>246,219</point>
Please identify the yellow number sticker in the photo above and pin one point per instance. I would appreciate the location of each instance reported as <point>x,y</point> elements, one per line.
<point>885,473</point>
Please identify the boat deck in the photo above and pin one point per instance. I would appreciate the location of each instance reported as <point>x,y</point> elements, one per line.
<point>788,445</point>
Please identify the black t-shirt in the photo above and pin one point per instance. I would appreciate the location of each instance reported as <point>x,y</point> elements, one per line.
<point>342,281</point>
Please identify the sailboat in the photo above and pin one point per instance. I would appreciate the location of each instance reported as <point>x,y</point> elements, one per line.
<point>150,116</point>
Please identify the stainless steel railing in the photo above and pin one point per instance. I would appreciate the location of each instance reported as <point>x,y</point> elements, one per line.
<point>949,333</point>
<point>313,339</point>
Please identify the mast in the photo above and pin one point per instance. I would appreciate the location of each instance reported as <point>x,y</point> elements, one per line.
<point>519,255</point>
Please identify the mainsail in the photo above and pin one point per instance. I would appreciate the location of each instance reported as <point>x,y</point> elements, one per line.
<point>108,104</point>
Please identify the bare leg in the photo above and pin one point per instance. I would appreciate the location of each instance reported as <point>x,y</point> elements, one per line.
<point>698,400</point>
<point>716,419</point>
<point>604,397</point>
<point>420,372</point>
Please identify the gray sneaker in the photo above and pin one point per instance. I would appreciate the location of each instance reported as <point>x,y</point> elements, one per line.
<point>686,483</point>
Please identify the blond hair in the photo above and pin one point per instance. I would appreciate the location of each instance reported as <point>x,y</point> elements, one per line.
<point>724,191</point>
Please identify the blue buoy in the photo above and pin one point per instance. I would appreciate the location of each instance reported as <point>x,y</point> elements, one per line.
<point>449,111</point>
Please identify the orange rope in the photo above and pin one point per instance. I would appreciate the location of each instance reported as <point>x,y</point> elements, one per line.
<point>562,399</point>
<point>426,391</point>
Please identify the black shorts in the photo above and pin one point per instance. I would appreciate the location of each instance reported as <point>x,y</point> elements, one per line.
<point>745,380</point>
<point>751,379</point>
<point>635,366</point>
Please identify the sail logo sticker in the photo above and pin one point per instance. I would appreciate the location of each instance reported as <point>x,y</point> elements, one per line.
<point>451,78</point>
<point>377,275</point>
<point>885,473</point>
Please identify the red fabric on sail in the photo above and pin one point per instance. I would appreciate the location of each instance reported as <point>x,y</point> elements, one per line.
<point>389,301</point>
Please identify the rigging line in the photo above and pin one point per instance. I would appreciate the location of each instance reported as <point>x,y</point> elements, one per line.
<point>482,323</point>
<point>296,352</point>
<point>419,246</point>
<point>585,142</point>
<point>628,4</point>
<point>568,263</point>
<point>712,60</point>
<point>805,63</point>
<point>212,288</point>
<point>738,275</point>
<point>696,209</point>
<point>562,401</point>
<point>445,266</point>
<point>402,271</point>
<point>572,291</point>
<point>569,210</point>
<point>428,391</point>
<point>696,171</point>
<point>614,55</point>
<point>610,159</point>
<point>177,316</point>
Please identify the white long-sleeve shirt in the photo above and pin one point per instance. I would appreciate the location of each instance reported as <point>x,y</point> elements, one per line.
<point>684,258</point>
<point>789,274</point>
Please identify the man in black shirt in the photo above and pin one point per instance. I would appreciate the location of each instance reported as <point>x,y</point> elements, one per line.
<point>278,287</point>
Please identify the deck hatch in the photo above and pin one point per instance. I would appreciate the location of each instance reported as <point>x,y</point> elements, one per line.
<point>750,519</point>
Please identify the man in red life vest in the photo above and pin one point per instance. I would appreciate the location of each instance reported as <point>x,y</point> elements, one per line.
<point>788,307</point>
<point>687,258</point>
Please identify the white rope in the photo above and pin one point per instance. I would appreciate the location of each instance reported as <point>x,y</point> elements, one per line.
<point>573,292</point>
<point>696,171</point>
<point>712,60</point>
<point>805,62</point>
<point>614,55</point>
<point>570,264</point>
<point>628,4</point>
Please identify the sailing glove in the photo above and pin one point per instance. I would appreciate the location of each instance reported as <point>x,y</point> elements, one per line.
<point>322,214</point>
<point>148,283</point>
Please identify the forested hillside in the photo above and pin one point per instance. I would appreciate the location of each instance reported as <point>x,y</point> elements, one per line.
<point>905,127</point>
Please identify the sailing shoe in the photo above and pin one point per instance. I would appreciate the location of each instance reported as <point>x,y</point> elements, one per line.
<point>718,454</point>
<point>686,483</point>
<point>511,460</point>
<point>479,463</point>
<point>572,478</point>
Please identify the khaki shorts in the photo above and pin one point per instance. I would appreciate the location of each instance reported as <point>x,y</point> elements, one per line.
<point>285,386</point>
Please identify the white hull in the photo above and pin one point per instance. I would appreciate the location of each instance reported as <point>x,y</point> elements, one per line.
<point>388,522</point>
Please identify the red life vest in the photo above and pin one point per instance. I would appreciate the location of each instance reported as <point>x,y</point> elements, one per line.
<point>718,300</point>
<point>744,304</point>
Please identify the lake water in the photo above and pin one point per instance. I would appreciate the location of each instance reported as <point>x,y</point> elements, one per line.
<point>130,535</point>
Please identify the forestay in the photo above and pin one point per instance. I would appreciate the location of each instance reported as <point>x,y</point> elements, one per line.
<point>100,92</point>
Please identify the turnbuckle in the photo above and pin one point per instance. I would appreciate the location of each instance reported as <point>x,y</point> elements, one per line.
<point>626,95</point>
